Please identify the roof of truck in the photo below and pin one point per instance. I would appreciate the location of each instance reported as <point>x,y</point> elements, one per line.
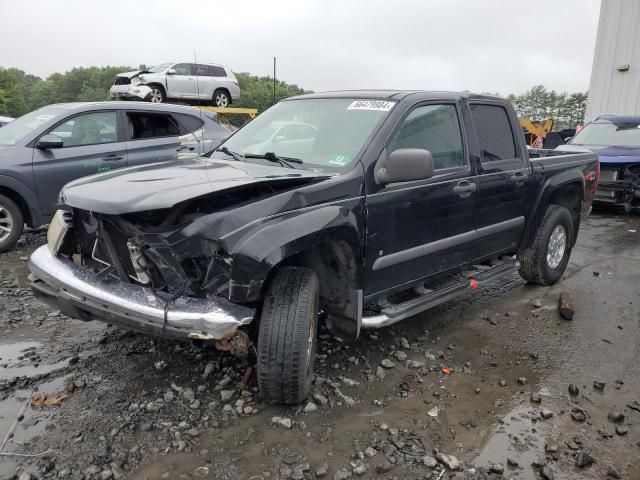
<point>395,95</point>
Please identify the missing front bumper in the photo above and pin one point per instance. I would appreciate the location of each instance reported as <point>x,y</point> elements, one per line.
<point>79,294</point>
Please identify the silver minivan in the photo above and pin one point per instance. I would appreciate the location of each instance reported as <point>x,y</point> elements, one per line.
<point>178,81</point>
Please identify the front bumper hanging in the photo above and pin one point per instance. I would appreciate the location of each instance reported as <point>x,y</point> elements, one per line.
<point>78,293</point>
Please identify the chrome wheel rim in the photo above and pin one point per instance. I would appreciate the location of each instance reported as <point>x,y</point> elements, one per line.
<point>222,100</point>
<point>6,223</point>
<point>156,96</point>
<point>557,246</point>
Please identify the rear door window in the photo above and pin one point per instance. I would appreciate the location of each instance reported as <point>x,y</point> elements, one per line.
<point>203,70</point>
<point>218,71</point>
<point>144,125</point>
<point>188,123</point>
<point>495,135</point>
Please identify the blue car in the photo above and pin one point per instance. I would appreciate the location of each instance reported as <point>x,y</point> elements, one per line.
<point>616,141</point>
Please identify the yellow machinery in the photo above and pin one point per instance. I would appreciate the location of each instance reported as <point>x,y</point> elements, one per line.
<point>225,112</point>
<point>535,131</point>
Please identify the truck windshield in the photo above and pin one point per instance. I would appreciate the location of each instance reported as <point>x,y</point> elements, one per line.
<point>326,134</point>
<point>159,68</point>
<point>15,131</point>
<point>609,134</point>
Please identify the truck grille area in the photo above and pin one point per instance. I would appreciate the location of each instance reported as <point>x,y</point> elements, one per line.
<point>165,261</point>
<point>122,81</point>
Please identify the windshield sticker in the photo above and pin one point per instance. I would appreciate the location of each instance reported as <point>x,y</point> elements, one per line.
<point>377,105</point>
<point>341,160</point>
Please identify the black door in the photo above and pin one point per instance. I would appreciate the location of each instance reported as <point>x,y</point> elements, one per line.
<point>419,228</point>
<point>504,179</point>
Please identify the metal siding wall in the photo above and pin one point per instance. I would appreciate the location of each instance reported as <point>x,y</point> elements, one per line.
<point>618,42</point>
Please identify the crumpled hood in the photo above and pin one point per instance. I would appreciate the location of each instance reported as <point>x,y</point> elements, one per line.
<point>607,154</point>
<point>131,74</point>
<point>163,185</point>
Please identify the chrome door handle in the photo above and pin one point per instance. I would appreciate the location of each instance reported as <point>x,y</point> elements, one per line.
<point>519,177</point>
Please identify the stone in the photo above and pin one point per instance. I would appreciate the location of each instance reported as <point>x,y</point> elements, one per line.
<point>226,395</point>
<point>536,398</point>
<point>380,373</point>
<point>359,467</point>
<point>310,407</point>
<point>573,390</point>
<point>621,430</point>
<point>613,473</point>
<point>551,448</point>
<point>546,414</point>
<point>415,364</point>
<point>583,459</point>
<point>322,470</point>
<point>106,475</point>
<point>208,369</point>
<point>321,399</point>
<point>616,417</point>
<point>502,383</point>
<point>384,467</point>
<point>25,476</point>
<point>168,397</point>
<point>342,474</point>
<point>285,422</point>
<point>598,385</point>
<point>451,462</point>
<point>370,452</point>
<point>117,472</point>
<point>546,473</point>
<point>429,461</point>
<point>497,468</point>
<point>201,472</point>
<point>386,363</point>
<point>566,305</point>
<point>537,303</point>
<point>405,343</point>
<point>523,380</point>
<point>578,415</point>
<point>400,356</point>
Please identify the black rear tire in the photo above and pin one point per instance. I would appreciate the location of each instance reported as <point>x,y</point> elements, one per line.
<point>534,265</point>
<point>157,94</point>
<point>11,223</point>
<point>287,335</point>
<point>221,98</point>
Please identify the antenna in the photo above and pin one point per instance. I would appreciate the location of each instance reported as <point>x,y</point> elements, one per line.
<point>195,65</point>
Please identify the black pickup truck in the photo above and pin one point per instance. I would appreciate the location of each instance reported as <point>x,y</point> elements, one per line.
<point>356,208</point>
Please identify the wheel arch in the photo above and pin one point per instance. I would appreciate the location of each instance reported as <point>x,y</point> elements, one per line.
<point>26,200</point>
<point>565,189</point>
<point>222,89</point>
<point>327,240</point>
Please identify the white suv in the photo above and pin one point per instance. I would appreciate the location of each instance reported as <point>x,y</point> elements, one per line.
<point>181,81</point>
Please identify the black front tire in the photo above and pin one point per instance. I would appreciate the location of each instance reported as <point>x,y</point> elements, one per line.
<point>287,335</point>
<point>534,266</point>
<point>11,223</point>
<point>157,94</point>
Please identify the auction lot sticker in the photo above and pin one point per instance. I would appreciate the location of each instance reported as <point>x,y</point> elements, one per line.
<point>377,105</point>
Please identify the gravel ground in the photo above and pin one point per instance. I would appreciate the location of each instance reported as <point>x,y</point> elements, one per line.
<point>493,385</point>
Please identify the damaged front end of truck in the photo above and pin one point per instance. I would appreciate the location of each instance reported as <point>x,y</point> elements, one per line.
<point>189,267</point>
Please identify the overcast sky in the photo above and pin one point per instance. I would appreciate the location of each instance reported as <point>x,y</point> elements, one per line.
<point>500,46</point>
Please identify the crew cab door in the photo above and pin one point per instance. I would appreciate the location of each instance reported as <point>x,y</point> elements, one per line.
<point>92,143</point>
<point>418,228</point>
<point>504,178</point>
<point>151,136</point>
<point>182,83</point>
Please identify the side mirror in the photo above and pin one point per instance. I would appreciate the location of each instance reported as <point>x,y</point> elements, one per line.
<point>566,140</point>
<point>171,71</point>
<point>405,165</point>
<point>49,141</point>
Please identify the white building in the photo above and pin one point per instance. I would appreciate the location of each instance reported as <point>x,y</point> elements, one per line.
<point>615,76</point>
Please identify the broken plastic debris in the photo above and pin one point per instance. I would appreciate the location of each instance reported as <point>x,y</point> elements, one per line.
<point>433,412</point>
<point>473,283</point>
<point>160,365</point>
<point>446,370</point>
<point>41,400</point>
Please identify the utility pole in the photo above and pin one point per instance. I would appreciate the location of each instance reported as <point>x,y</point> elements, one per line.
<point>274,80</point>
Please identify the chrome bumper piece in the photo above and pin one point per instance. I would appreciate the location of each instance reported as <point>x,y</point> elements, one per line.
<point>79,294</point>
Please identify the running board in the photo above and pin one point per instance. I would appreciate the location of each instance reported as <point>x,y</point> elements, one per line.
<point>392,314</point>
